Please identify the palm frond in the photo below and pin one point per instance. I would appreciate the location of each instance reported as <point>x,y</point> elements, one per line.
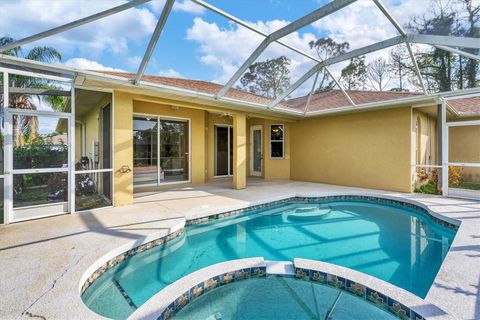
<point>10,52</point>
<point>44,54</point>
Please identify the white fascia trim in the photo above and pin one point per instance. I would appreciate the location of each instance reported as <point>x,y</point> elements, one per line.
<point>366,106</point>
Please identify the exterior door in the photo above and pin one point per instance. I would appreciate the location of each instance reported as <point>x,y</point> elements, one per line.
<point>256,151</point>
<point>223,150</point>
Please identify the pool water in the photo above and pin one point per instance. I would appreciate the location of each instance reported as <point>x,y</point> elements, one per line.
<point>279,298</point>
<point>399,245</point>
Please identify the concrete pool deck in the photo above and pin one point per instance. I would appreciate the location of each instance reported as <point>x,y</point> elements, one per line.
<point>43,261</point>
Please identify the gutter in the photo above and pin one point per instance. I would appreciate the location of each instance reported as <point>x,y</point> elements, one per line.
<point>231,101</point>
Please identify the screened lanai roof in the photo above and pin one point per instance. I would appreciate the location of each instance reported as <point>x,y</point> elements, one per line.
<point>325,100</point>
<point>307,69</point>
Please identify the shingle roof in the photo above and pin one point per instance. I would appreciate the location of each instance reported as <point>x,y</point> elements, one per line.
<point>320,101</point>
<point>466,106</point>
<point>335,98</point>
<point>196,85</point>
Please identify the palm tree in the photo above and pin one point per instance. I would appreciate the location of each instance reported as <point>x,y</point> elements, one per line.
<point>29,124</point>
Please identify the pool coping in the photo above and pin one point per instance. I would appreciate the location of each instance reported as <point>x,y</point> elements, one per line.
<point>165,303</point>
<point>385,296</point>
<point>118,255</point>
<point>341,196</point>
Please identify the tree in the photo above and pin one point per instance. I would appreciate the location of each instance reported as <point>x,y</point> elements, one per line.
<point>471,30</point>
<point>28,125</point>
<point>268,78</point>
<point>398,66</point>
<point>442,70</point>
<point>326,48</point>
<point>436,65</point>
<point>354,74</point>
<point>378,74</point>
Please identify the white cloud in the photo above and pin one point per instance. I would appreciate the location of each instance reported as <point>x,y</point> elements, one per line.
<point>179,5</point>
<point>172,73</point>
<point>85,64</point>
<point>113,34</point>
<point>225,49</point>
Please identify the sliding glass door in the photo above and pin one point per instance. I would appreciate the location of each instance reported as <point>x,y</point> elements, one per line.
<point>161,150</point>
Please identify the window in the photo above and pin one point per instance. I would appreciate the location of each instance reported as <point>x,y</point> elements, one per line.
<point>277,138</point>
<point>160,150</point>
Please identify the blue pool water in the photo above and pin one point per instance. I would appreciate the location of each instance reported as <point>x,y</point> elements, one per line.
<point>401,246</point>
<point>279,298</point>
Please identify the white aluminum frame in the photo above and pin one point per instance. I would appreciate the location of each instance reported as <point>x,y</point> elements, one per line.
<point>447,43</point>
<point>445,132</point>
<point>230,142</point>
<point>8,147</point>
<point>160,117</point>
<point>74,24</point>
<point>270,141</point>
<point>252,171</point>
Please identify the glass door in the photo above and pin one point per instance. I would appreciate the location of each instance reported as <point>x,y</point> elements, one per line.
<point>223,150</point>
<point>256,151</point>
<point>161,150</point>
<point>37,127</point>
<point>174,150</point>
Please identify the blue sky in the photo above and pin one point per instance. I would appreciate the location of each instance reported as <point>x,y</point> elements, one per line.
<point>196,43</point>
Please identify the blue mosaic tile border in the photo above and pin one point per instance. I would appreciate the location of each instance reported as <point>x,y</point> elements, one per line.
<point>371,296</point>
<point>127,254</point>
<point>377,298</point>
<point>205,286</point>
<point>377,200</point>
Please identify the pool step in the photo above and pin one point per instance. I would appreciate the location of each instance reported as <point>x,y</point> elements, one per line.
<point>280,267</point>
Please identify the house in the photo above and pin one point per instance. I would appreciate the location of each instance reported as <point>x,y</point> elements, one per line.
<point>172,132</point>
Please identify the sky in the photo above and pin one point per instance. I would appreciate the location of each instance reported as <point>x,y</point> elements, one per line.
<point>197,43</point>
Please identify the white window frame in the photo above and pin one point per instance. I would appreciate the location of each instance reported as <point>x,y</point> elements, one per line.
<point>159,118</point>
<point>282,141</point>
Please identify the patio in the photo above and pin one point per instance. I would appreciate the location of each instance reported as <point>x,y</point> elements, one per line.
<point>55,253</point>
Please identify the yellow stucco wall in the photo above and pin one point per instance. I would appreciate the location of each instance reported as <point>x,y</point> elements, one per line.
<point>271,168</point>
<point>464,146</point>
<point>366,149</point>
<point>239,151</point>
<point>427,141</point>
<point>123,148</point>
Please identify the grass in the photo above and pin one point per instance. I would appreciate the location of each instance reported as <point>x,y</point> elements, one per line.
<point>468,185</point>
<point>429,188</point>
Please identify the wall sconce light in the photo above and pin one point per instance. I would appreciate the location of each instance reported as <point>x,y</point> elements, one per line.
<point>125,169</point>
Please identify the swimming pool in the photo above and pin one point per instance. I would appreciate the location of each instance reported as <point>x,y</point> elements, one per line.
<point>280,298</point>
<point>397,244</point>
